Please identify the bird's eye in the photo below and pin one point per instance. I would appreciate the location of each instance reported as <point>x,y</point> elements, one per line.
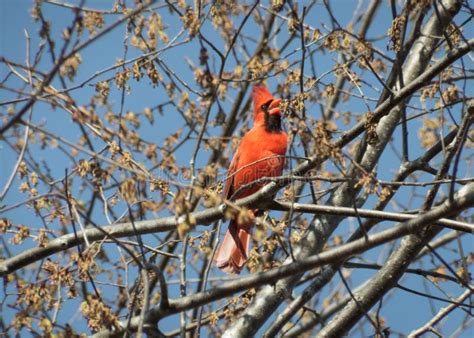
<point>264,107</point>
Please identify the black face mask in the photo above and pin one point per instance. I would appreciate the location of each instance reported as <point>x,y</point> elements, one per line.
<point>272,122</point>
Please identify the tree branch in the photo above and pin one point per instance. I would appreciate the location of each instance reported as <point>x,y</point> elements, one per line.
<point>463,199</point>
<point>269,298</point>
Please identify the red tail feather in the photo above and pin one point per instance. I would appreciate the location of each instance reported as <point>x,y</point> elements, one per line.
<point>233,252</point>
<point>260,154</point>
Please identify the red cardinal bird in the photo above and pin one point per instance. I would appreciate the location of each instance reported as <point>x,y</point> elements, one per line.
<point>260,154</point>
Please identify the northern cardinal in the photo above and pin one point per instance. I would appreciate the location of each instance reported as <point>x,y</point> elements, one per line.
<point>260,154</point>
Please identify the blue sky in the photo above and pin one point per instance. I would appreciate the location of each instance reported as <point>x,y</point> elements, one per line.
<point>404,312</point>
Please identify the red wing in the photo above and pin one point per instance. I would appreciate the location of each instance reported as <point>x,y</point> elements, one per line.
<point>229,183</point>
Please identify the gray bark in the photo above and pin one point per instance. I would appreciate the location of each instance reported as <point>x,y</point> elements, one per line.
<point>268,298</point>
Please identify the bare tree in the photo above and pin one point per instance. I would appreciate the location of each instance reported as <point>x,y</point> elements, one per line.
<point>117,128</point>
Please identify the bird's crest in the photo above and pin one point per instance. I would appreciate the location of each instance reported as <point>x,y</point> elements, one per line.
<point>260,95</point>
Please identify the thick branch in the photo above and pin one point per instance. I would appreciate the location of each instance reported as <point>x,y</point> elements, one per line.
<point>462,200</point>
<point>269,298</point>
<point>366,213</point>
<point>210,215</point>
<point>400,259</point>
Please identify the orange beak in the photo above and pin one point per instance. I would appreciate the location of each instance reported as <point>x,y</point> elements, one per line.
<point>275,107</point>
